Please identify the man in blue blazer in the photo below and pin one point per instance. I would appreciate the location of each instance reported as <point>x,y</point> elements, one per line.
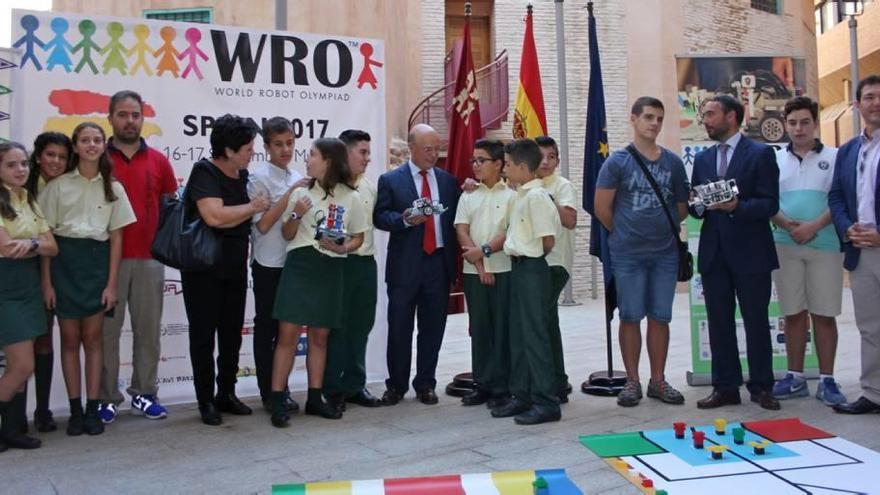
<point>854,201</point>
<point>420,266</point>
<point>737,254</point>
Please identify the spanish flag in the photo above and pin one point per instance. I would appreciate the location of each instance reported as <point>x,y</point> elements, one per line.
<point>529,120</point>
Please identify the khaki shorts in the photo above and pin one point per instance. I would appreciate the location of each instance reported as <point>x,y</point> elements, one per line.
<point>809,279</point>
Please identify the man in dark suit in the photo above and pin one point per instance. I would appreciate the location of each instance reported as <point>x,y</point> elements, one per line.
<point>737,254</point>
<point>420,265</point>
<point>854,201</point>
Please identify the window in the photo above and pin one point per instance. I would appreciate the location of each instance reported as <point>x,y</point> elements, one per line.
<point>203,15</point>
<point>772,6</point>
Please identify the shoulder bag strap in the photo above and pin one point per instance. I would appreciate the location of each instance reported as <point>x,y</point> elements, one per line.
<point>635,154</point>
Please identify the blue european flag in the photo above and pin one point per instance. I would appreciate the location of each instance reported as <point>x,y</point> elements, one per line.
<point>595,153</point>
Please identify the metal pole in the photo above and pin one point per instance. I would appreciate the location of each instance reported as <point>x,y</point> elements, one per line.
<point>567,299</point>
<point>281,15</point>
<point>854,71</point>
<point>594,264</point>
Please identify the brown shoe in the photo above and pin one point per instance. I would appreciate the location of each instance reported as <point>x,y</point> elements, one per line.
<point>720,398</point>
<point>766,400</point>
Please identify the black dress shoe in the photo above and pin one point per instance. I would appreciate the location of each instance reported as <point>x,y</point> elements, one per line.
<point>323,409</point>
<point>290,404</point>
<point>229,403</point>
<point>860,406</point>
<point>391,397</point>
<point>336,401</point>
<point>766,400</point>
<point>427,397</point>
<point>75,425</point>
<point>496,402</point>
<point>18,440</point>
<point>210,415</point>
<point>510,408</point>
<point>475,398</point>
<point>44,422</point>
<point>92,424</point>
<point>719,398</point>
<point>364,398</point>
<point>3,447</point>
<point>537,415</point>
<point>280,419</point>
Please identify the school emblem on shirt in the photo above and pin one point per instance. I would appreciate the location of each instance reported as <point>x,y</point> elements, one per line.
<point>824,165</point>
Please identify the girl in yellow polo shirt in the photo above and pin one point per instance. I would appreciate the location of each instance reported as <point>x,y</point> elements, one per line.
<point>24,235</point>
<point>310,291</point>
<point>86,209</point>
<point>50,159</point>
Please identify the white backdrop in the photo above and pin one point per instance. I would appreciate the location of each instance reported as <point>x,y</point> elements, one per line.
<point>189,74</point>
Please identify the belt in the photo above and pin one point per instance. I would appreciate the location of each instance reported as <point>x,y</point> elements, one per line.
<point>518,259</point>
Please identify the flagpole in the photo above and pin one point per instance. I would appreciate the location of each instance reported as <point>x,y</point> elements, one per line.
<point>281,15</point>
<point>463,383</point>
<point>567,299</point>
<point>608,382</point>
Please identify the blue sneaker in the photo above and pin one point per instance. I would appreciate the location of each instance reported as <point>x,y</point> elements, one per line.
<point>148,406</point>
<point>107,412</point>
<point>829,392</point>
<point>790,387</point>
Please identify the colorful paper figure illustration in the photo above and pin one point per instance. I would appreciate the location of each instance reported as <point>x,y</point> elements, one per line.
<point>141,33</point>
<point>30,25</point>
<point>367,76</point>
<point>193,36</point>
<point>114,50</point>
<point>169,54</point>
<point>59,46</point>
<point>87,30</point>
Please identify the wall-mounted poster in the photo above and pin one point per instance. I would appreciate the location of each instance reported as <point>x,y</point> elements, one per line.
<point>762,84</point>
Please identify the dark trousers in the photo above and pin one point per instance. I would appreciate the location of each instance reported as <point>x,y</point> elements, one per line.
<point>265,327</point>
<point>488,314</point>
<point>558,279</point>
<point>723,288</point>
<point>532,377</point>
<point>426,298</point>
<point>214,308</point>
<point>346,372</point>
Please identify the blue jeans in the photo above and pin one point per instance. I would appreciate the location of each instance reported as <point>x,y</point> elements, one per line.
<point>645,286</point>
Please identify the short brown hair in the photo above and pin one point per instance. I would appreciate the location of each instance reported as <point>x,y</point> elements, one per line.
<point>802,103</point>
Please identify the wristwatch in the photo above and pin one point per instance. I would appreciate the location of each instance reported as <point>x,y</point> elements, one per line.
<point>35,244</point>
<point>487,250</point>
<point>294,216</point>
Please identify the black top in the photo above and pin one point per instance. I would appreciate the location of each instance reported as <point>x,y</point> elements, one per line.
<point>206,180</point>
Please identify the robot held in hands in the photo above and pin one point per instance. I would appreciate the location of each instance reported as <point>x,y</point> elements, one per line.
<point>331,225</point>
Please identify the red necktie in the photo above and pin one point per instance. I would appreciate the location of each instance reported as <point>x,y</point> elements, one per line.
<point>429,242</point>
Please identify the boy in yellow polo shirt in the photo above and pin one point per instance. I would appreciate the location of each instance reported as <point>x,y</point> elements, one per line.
<point>531,234</point>
<point>561,258</point>
<point>481,224</point>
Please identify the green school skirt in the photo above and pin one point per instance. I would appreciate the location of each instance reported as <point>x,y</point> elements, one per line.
<point>79,275</point>
<point>22,315</point>
<point>310,290</point>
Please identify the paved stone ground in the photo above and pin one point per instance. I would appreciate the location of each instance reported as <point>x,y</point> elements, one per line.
<point>247,455</point>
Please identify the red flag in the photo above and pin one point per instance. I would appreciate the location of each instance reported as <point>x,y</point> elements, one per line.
<point>529,120</point>
<point>465,127</point>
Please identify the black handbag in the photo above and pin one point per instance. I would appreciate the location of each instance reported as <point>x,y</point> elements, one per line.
<point>685,258</point>
<point>183,240</point>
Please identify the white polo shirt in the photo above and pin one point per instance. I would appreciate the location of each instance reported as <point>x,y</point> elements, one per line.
<point>803,192</point>
<point>270,249</point>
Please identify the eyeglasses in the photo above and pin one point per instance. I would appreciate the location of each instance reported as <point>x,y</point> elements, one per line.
<point>480,161</point>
